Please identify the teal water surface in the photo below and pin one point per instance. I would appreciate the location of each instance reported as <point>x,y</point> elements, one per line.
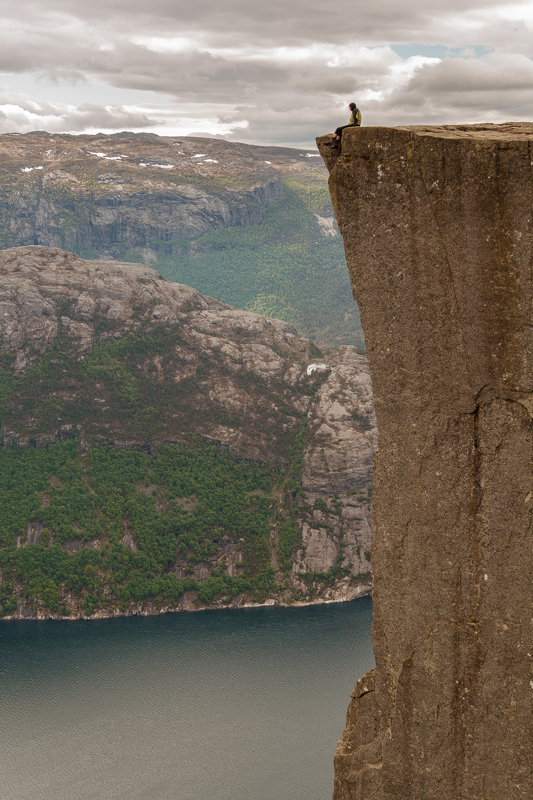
<point>222,705</point>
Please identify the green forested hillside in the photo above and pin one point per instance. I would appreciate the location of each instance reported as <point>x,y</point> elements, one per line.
<point>283,268</point>
<point>183,502</point>
<point>113,526</point>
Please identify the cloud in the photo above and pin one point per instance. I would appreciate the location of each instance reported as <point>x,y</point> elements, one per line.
<point>23,114</point>
<point>273,24</point>
<point>495,88</point>
<point>271,73</point>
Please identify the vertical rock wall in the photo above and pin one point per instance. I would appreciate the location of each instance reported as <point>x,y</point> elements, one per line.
<point>438,230</point>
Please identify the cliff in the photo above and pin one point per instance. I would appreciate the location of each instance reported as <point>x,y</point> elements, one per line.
<point>184,452</point>
<point>438,234</point>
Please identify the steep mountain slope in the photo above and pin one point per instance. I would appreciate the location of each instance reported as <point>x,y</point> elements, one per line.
<point>164,450</point>
<point>252,226</point>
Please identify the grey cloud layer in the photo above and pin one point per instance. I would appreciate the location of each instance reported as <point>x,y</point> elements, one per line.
<point>56,118</point>
<point>278,22</point>
<point>282,71</point>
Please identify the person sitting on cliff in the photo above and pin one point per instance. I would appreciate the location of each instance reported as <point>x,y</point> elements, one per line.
<point>355,122</point>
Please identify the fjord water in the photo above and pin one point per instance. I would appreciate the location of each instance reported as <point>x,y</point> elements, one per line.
<point>223,705</point>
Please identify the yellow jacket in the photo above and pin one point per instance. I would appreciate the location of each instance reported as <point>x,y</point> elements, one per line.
<point>355,119</point>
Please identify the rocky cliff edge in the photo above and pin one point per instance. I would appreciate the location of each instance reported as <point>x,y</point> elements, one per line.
<point>438,233</point>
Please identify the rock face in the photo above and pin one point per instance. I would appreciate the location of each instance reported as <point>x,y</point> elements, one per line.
<point>337,472</point>
<point>114,354</point>
<point>438,233</point>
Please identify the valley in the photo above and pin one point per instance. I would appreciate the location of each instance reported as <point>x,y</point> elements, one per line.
<point>248,225</point>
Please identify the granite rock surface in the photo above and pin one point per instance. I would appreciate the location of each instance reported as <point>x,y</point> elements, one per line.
<point>337,469</point>
<point>438,231</point>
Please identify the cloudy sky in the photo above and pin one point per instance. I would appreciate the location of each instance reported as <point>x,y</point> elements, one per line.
<point>261,71</point>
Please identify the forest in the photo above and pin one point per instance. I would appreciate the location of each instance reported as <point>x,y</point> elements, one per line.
<point>97,531</point>
<point>179,505</point>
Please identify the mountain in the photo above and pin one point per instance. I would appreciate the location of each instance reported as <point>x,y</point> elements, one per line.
<point>252,226</point>
<point>163,450</point>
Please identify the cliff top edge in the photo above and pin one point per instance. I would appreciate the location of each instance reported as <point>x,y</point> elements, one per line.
<point>487,130</point>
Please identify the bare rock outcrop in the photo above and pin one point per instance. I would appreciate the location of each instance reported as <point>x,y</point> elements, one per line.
<point>337,475</point>
<point>223,357</point>
<point>438,231</point>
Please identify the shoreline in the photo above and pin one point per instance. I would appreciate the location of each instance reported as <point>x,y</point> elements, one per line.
<point>186,606</point>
